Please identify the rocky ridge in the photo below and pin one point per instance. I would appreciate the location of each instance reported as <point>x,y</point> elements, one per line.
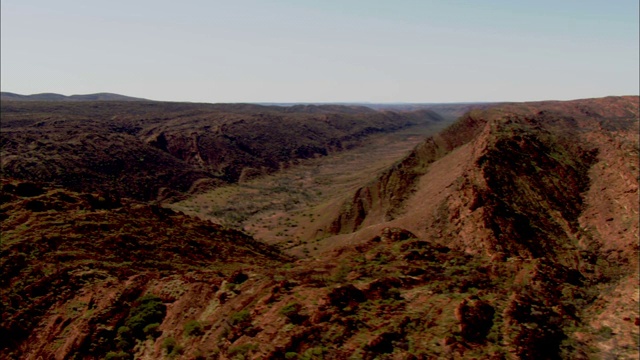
<point>151,151</point>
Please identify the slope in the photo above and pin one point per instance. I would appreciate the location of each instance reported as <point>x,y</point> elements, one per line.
<point>65,253</point>
<point>543,184</point>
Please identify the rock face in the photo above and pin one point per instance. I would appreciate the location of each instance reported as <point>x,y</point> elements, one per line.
<point>384,198</point>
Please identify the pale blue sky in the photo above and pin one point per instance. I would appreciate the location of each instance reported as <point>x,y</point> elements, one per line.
<point>322,51</point>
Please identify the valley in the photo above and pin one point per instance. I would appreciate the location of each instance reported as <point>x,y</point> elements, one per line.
<point>285,208</point>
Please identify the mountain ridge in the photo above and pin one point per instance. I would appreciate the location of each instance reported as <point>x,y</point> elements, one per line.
<point>404,174</point>
<point>164,149</point>
<point>102,96</point>
<point>537,183</point>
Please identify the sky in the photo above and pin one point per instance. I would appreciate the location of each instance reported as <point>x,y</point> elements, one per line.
<point>380,51</point>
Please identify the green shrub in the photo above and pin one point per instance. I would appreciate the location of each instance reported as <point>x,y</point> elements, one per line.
<point>240,317</point>
<point>121,355</point>
<point>124,337</point>
<point>291,355</point>
<point>605,332</point>
<point>199,355</point>
<point>169,344</point>
<point>151,310</point>
<point>123,343</point>
<point>242,349</point>
<point>290,310</point>
<point>193,328</point>
<point>124,331</point>
<point>313,353</point>
<point>394,293</point>
<point>152,331</point>
<point>177,350</point>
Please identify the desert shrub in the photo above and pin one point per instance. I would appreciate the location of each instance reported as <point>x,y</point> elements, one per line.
<point>193,328</point>
<point>124,338</point>
<point>124,331</point>
<point>169,343</point>
<point>313,353</point>
<point>199,355</point>
<point>121,355</point>
<point>172,347</point>
<point>605,332</point>
<point>341,273</point>
<point>394,293</point>
<point>241,349</point>
<point>290,310</point>
<point>152,331</point>
<point>177,350</point>
<point>150,311</point>
<point>240,317</point>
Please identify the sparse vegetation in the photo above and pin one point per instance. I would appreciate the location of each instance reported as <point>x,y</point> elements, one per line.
<point>144,319</point>
<point>172,348</point>
<point>242,349</point>
<point>121,355</point>
<point>193,328</point>
<point>240,317</point>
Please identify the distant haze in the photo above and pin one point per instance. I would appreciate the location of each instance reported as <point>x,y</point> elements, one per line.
<point>322,51</point>
<point>59,97</point>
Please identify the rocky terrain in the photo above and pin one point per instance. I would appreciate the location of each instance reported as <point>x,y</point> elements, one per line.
<point>74,263</point>
<point>150,150</point>
<point>512,234</point>
<point>529,183</point>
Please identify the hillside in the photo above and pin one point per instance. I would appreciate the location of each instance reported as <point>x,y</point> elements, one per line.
<point>133,281</point>
<point>73,263</point>
<point>552,183</point>
<point>554,125</point>
<point>149,151</point>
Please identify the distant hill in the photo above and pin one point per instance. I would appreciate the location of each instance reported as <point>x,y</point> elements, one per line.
<point>449,111</point>
<point>59,97</point>
<point>145,149</point>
